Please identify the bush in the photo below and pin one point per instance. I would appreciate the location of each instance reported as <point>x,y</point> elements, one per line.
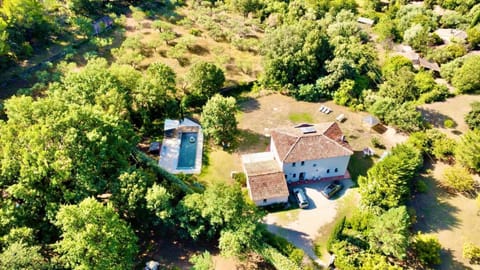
<point>427,248</point>
<point>336,234</point>
<point>472,253</point>
<point>202,261</point>
<point>448,123</point>
<point>195,32</point>
<point>296,255</point>
<point>240,179</point>
<point>421,186</point>
<point>458,178</point>
<point>376,143</point>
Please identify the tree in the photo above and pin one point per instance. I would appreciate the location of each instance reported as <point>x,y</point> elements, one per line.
<point>387,184</point>
<point>389,232</point>
<point>294,54</point>
<point>466,79</point>
<point>473,116</point>
<point>18,256</point>
<point>158,201</point>
<point>204,80</point>
<point>88,8</point>
<point>94,237</point>
<point>394,64</point>
<point>218,119</point>
<point>468,150</point>
<point>221,212</point>
<point>427,248</point>
<point>400,86</point>
<point>458,178</point>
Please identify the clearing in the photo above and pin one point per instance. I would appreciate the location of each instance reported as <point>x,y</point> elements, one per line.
<point>453,108</point>
<point>454,218</point>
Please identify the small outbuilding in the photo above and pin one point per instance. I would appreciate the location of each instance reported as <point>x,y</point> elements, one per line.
<point>366,21</point>
<point>372,123</point>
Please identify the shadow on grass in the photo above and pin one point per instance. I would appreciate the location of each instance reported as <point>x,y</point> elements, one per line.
<point>435,118</point>
<point>249,141</point>
<point>249,105</point>
<point>359,165</point>
<point>449,262</point>
<point>433,212</point>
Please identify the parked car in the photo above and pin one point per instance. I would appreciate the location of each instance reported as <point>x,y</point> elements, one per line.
<point>331,189</point>
<point>301,197</point>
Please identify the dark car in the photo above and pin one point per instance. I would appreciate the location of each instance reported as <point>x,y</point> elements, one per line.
<point>331,189</point>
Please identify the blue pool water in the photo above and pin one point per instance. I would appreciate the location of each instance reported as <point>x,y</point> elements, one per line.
<point>188,151</point>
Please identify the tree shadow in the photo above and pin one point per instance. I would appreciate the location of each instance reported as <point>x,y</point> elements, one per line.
<point>434,213</point>
<point>449,262</point>
<point>198,50</point>
<point>359,165</point>
<point>249,105</point>
<point>435,118</point>
<point>249,141</point>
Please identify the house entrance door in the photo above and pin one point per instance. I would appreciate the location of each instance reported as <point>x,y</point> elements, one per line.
<point>301,176</point>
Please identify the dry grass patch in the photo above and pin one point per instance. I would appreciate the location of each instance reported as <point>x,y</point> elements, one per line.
<point>454,218</point>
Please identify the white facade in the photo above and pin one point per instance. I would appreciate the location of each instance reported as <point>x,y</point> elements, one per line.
<point>315,169</point>
<point>311,169</point>
<point>270,201</point>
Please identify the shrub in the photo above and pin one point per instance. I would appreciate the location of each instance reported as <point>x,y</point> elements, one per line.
<point>202,261</point>
<point>427,248</point>
<point>448,123</point>
<point>240,178</point>
<point>458,178</point>
<point>421,186</point>
<point>471,252</point>
<point>195,32</point>
<point>336,234</point>
<point>376,143</point>
<point>296,255</point>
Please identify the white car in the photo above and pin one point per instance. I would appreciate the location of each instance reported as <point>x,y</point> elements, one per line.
<point>301,197</point>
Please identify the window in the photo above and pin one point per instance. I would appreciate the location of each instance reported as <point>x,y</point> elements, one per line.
<point>294,175</point>
<point>314,165</point>
<point>336,169</point>
<point>328,170</point>
<point>264,200</point>
<point>302,163</point>
<point>293,164</point>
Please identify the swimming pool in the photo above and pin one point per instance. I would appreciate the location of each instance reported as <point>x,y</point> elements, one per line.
<point>188,151</point>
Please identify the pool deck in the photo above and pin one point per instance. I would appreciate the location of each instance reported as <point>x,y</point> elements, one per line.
<point>170,151</point>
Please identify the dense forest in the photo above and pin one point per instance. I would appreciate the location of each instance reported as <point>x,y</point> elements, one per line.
<point>77,191</point>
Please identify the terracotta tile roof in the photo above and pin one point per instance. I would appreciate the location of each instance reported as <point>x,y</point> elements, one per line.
<point>266,180</point>
<point>293,145</point>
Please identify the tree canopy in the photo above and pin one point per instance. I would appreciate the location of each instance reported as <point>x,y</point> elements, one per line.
<point>94,237</point>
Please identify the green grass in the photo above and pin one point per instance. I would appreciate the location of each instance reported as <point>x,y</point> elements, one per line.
<point>301,118</point>
<point>346,206</point>
<point>221,164</point>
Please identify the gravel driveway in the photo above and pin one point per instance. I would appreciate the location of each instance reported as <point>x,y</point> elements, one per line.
<point>301,226</point>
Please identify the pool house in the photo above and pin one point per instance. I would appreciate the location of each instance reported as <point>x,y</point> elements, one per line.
<point>182,147</point>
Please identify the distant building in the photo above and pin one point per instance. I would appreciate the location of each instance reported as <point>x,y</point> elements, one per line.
<point>366,21</point>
